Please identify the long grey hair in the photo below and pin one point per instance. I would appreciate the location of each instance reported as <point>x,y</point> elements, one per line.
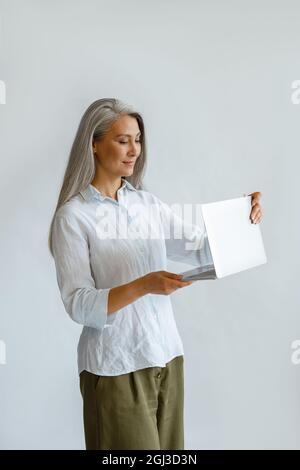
<point>94,124</point>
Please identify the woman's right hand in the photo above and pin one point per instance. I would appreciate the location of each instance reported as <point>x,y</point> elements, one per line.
<point>163,282</point>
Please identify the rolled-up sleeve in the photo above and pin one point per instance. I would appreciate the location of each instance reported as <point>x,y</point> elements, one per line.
<point>84,303</point>
<point>185,242</point>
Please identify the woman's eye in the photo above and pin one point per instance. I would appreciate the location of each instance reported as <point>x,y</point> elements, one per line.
<point>122,142</point>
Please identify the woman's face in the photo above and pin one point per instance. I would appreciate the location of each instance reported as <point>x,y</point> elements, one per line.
<point>120,145</point>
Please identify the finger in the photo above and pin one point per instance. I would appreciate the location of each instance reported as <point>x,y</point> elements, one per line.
<point>186,282</point>
<point>253,216</point>
<point>255,196</point>
<point>180,284</point>
<point>173,275</point>
<point>255,209</point>
<point>255,213</point>
<point>254,201</point>
<point>257,217</point>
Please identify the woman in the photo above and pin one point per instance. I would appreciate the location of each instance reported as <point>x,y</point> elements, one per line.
<point>130,355</point>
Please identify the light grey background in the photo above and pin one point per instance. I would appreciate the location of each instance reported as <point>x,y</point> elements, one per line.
<point>213,82</point>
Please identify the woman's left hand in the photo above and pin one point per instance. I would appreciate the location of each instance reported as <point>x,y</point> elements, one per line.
<point>256,209</point>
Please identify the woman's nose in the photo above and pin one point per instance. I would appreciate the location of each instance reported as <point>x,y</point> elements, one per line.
<point>133,150</point>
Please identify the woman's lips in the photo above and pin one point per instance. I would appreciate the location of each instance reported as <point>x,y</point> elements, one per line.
<point>128,163</point>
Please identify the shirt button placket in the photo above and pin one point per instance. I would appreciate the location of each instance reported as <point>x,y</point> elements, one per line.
<point>138,243</point>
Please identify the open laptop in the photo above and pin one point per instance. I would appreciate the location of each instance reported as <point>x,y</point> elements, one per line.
<point>235,242</point>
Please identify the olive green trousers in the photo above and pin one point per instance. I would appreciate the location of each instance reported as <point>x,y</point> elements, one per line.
<point>143,409</point>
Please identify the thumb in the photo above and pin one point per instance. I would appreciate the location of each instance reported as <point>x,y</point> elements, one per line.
<point>173,275</point>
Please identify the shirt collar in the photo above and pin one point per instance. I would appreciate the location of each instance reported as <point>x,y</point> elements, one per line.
<point>90,191</point>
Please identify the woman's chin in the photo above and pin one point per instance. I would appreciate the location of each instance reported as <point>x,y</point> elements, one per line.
<point>128,171</point>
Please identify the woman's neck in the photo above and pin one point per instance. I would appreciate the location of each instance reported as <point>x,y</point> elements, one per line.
<point>106,186</point>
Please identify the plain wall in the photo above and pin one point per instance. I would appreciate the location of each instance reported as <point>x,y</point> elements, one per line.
<point>213,82</point>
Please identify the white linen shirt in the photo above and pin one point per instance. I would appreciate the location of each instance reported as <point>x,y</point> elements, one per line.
<point>143,333</point>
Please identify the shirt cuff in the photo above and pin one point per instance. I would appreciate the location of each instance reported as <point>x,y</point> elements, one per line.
<point>90,307</point>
